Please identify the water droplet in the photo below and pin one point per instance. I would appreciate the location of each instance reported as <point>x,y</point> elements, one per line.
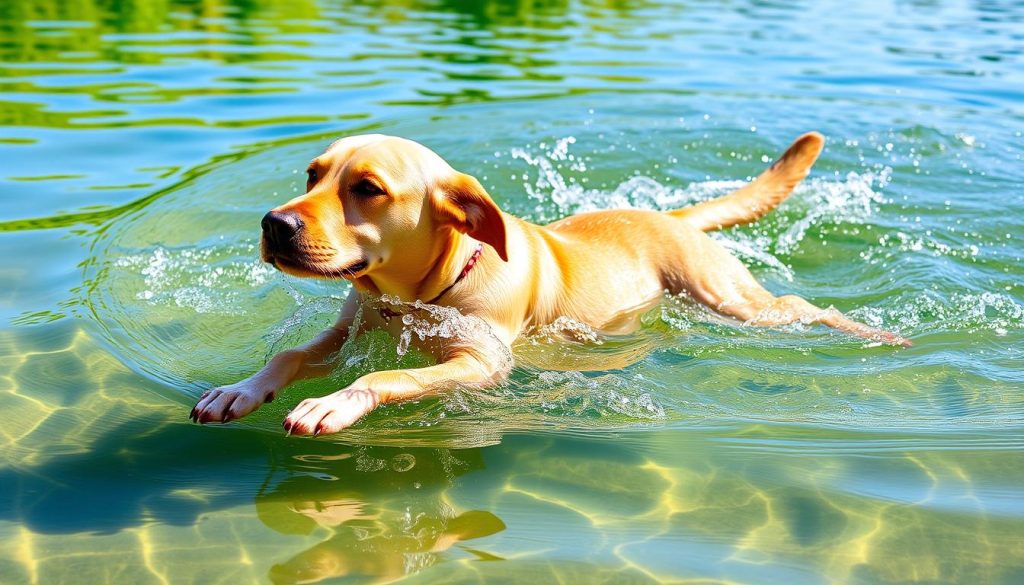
<point>403,462</point>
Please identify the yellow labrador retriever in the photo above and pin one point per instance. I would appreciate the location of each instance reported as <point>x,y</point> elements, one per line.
<point>395,219</point>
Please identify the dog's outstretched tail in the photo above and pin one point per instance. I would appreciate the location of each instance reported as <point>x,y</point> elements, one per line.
<point>763,194</point>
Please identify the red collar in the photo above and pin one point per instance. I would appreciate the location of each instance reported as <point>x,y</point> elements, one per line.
<point>465,270</point>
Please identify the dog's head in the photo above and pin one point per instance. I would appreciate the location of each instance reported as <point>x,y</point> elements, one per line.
<point>378,204</point>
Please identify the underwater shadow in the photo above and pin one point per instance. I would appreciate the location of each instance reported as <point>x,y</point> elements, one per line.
<point>394,523</point>
<point>148,471</point>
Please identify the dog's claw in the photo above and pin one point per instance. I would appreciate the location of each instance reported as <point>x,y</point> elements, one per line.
<point>316,433</point>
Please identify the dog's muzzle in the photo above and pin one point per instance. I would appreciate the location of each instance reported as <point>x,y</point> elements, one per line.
<point>280,228</point>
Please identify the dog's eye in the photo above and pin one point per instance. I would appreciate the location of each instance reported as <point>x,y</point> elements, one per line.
<point>367,188</point>
<point>311,177</point>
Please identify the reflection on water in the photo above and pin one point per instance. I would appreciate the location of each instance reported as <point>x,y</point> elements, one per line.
<point>142,142</point>
<point>382,538</point>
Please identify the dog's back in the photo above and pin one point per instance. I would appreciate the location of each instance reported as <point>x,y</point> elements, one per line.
<point>636,255</point>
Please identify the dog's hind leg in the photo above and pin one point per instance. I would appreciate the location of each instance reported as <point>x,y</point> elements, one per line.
<point>777,311</point>
<point>720,281</point>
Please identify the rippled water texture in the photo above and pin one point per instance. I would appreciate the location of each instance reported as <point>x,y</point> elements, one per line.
<point>141,142</point>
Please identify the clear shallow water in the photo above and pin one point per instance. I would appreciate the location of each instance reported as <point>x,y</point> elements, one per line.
<point>142,143</point>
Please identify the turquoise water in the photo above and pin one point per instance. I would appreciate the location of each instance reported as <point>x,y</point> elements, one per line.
<point>143,141</point>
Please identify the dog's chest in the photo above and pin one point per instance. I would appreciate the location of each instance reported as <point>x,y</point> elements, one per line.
<point>424,331</point>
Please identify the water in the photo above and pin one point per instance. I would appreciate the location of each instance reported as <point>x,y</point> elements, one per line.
<point>141,143</point>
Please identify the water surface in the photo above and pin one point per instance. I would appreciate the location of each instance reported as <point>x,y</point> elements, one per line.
<point>142,142</point>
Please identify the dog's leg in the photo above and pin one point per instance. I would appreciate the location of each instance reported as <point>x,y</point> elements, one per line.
<point>776,311</point>
<point>334,412</point>
<point>720,281</point>
<point>236,400</point>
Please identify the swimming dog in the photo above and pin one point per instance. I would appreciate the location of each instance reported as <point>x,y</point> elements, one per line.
<point>393,218</point>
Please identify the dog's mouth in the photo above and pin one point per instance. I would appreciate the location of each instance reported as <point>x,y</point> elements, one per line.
<point>316,269</point>
<point>352,270</point>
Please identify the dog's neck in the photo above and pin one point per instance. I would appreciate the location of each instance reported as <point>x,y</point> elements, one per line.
<point>448,265</point>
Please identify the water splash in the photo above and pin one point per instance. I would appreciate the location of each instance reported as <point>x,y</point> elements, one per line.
<point>564,328</point>
<point>553,185</point>
<point>447,324</point>
<point>896,244</point>
<point>821,201</point>
<point>931,312</point>
<point>204,279</point>
<point>574,394</point>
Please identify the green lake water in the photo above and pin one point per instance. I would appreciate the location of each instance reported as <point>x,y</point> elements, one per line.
<point>141,142</point>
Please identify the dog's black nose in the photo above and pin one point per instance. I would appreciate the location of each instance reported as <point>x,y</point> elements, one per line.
<point>280,227</point>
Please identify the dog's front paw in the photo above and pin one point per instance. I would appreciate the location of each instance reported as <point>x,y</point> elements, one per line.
<point>226,403</point>
<point>332,413</point>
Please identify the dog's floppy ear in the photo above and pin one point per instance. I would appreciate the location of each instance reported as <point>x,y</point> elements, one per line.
<point>462,203</point>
